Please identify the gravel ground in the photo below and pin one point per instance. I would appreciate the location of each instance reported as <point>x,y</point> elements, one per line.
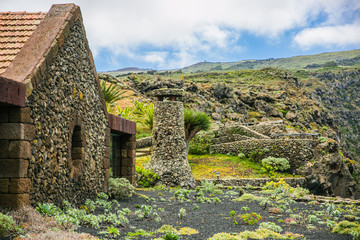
<point>212,218</point>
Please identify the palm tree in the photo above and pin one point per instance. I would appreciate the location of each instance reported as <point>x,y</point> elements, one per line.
<point>195,122</point>
<point>112,93</point>
<point>144,113</point>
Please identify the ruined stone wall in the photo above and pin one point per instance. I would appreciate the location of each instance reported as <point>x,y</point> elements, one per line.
<point>71,138</point>
<point>169,157</point>
<point>16,136</point>
<point>297,152</point>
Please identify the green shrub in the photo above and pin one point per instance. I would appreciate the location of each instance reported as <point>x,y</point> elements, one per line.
<point>200,144</point>
<point>271,226</point>
<point>208,186</point>
<point>146,178</point>
<point>47,209</point>
<point>346,227</point>
<point>182,213</point>
<point>120,188</point>
<point>313,219</point>
<point>272,163</point>
<point>225,236</point>
<point>245,197</point>
<point>182,194</point>
<point>251,219</point>
<point>171,235</point>
<point>7,225</point>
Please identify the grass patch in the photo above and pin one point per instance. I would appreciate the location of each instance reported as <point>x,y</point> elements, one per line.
<point>203,167</point>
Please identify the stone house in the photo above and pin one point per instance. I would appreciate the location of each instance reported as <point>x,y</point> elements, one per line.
<point>57,140</point>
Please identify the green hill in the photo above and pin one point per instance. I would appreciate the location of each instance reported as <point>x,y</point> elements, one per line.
<point>343,58</point>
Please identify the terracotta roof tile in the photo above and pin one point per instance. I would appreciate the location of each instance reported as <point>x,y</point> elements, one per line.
<point>15,30</point>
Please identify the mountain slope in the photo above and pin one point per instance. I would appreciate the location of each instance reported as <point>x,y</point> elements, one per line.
<point>343,58</point>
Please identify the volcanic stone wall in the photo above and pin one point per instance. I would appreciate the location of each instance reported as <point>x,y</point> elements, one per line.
<point>16,136</point>
<point>169,157</point>
<point>297,152</point>
<point>71,143</point>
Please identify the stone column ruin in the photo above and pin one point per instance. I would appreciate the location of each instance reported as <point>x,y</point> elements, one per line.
<point>168,157</point>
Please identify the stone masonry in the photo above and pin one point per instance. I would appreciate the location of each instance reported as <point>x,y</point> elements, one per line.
<point>169,158</point>
<point>55,132</point>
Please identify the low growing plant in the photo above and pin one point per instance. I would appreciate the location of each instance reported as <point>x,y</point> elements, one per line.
<point>233,216</point>
<point>250,219</point>
<point>171,235</point>
<point>120,188</point>
<point>7,225</point>
<point>146,178</point>
<point>272,226</point>
<point>271,164</point>
<point>182,213</point>
<point>48,209</point>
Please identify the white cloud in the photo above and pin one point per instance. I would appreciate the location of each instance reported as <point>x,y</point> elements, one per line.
<point>155,57</point>
<point>329,36</point>
<point>185,28</point>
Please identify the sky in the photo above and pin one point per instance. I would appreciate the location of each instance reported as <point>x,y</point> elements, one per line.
<point>170,34</point>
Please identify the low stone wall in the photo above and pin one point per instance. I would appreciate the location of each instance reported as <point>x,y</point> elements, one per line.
<point>232,133</point>
<point>295,151</point>
<point>231,138</point>
<point>144,142</point>
<point>255,182</point>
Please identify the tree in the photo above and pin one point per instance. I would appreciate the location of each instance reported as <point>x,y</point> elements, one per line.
<point>144,113</point>
<point>112,93</point>
<point>194,122</point>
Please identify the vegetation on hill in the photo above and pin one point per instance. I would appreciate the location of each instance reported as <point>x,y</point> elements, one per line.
<point>343,58</point>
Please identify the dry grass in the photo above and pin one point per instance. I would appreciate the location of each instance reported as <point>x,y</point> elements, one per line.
<point>37,226</point>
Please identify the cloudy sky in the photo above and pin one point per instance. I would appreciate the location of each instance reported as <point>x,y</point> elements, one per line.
<point>168,34</point>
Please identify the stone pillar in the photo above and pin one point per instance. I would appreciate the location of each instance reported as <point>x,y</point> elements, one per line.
<point>169,158</point>
<point>16,135</point>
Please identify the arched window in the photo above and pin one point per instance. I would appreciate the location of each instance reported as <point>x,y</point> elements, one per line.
<point>77,150</point>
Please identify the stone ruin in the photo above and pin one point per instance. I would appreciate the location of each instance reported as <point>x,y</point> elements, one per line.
<point>55,131</point>
<point>169,154</point>
<point>320,164</point>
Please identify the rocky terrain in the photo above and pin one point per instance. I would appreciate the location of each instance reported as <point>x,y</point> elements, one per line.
<point>340,94</point>
<point>320,104</point>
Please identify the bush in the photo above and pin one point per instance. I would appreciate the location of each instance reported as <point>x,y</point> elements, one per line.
<point>251,219</point>
<point>271,226</point>
<point>146,178</point>
<point>225,236</point>
<point>201,143</point>
<point>346,227</point>
<point>7,225</point>
<point>245,197</point>
<point>272,163</point>
<point>120,188</point>
<point>48,209</point>
<point>171,235</point>
<point>208,186</point>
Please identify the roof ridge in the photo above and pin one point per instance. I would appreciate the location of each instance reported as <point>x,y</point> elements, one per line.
<point>23,12</point>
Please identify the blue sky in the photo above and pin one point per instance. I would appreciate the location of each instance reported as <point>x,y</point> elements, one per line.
<point>169,34</point>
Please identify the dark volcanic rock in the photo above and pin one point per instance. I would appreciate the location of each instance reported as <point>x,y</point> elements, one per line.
<point>328,174</point>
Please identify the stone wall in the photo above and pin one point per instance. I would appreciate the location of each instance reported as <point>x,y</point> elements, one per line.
<point>16,136</point>
<point>144,142</point>
<point>169,156</point>
<point>297,152</point>
<point>66,105</point>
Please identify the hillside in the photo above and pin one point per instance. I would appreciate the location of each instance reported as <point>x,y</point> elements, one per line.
<point>319,103</point>
<point>318,100</point>
<point>343,58</point>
